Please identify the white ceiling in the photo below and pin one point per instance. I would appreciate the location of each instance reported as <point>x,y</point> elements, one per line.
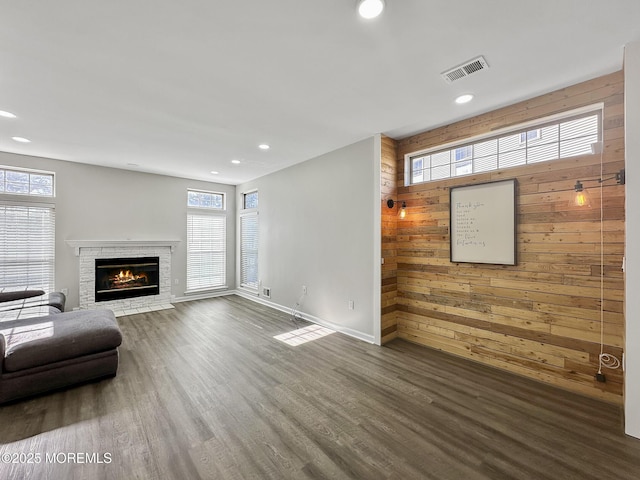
<point>182,88</point>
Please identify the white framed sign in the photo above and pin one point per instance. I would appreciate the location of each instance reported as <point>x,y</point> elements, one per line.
<point>483,223</point>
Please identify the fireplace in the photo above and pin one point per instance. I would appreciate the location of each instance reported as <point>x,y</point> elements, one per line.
<point>118,278</point>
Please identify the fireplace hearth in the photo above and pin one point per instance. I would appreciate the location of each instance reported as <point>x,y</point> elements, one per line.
<point>118,278</point>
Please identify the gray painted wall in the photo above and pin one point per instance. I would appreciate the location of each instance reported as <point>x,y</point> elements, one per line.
<point>97,203</point>
<point>632,240</point>
<point>318,228</point>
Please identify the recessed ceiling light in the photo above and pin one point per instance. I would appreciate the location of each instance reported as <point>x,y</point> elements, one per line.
<point>133,165</point>
<point>235,161</point>
<point>213,172</point>
<point>370,8</point>
<point>466,98</point>
<point>6,114</point>
<point>264,146</point>
<point>21,139</point>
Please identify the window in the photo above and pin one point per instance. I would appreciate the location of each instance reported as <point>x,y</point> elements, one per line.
<point>206,252</point>
<point>249,242</point>
<point>27,247</point>
<point>572,134</point>
<point>249,250</point>
<point>200,199</point>
<point>250,200</point>
<point>27,230</point>
<point>206,241</point>
<point>25,182</point>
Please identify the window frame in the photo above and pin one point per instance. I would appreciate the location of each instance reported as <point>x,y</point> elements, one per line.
<point>521,128</point>
<point>33,201</point>
<point>244,213</point>
<point>205,208</point>
<point>251,213</point>
<point>47,263</point>
<point>29,171</point>
<point>205,212</point>
<point>244,200</point>
<point>223,265</point>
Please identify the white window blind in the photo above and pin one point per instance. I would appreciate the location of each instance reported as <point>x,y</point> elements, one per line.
<point>27,247</point>
<point>249,251</point>
<point>206,251</point>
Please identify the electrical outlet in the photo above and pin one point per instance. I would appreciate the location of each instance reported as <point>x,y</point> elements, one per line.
<point>176,281</point>
<point>65,292</point>
<point>351,305</point>
<point>304,289</point>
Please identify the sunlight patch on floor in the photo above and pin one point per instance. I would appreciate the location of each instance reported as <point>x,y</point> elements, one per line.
<point>304,335</point>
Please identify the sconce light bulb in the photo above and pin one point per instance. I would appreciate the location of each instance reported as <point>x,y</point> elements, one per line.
<point>582,199</point>
<point>403,210</point>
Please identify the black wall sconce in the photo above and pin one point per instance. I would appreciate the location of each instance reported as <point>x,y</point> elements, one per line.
<point>403,212</point>
<point>582,197</point>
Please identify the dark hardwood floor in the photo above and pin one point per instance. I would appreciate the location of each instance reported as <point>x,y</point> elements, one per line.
<point>205,392</point>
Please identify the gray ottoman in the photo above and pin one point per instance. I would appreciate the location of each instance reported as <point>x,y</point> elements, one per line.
<point>54,351</point>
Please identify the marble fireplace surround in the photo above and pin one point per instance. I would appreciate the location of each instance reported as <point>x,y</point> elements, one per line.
<point>89,250</point>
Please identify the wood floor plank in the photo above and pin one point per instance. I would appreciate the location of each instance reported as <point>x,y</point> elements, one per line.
<point>205,392</point>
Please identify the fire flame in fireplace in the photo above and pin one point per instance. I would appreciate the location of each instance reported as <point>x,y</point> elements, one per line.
<point>126,277</point>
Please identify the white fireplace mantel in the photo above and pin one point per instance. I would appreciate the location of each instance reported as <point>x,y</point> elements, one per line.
<point>78,244</point>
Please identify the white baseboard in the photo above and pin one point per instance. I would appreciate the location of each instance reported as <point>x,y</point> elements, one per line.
<point>305,316</point>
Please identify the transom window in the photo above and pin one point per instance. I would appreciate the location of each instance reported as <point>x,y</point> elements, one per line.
<point>202,199</point>
<point>250,200</point>
<point>25,182</point>
<point>572,135</point>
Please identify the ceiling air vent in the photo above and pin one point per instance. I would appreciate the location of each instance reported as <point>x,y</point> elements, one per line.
<point>464,70</point>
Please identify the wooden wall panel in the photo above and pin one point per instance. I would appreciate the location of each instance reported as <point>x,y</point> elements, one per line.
<point>389,172</point>
<point>540,318</point>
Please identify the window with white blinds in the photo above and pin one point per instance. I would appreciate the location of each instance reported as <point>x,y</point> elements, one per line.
<point>206,251</point>
<point>549,139</point>
<point>249,250</point>
<point>27,246</point>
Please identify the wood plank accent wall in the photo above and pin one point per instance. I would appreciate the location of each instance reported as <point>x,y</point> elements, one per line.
<point>388,190</point>
<point>540,318</point>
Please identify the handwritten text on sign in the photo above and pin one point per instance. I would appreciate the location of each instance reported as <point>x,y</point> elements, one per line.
<point>467,227</point>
